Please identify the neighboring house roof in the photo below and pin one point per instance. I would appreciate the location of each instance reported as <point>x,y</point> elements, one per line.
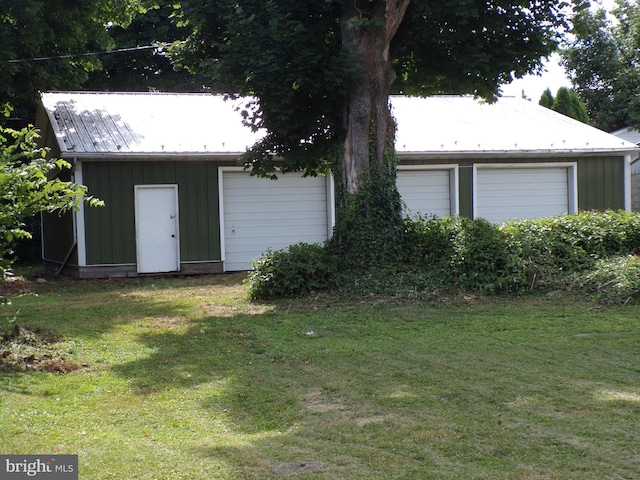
<point>629,134</point>
<point>89,124</point>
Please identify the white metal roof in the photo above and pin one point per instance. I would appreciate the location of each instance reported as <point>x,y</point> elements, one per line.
<point>99,124</point>
<point>510,126</point>
<point>89,124</point>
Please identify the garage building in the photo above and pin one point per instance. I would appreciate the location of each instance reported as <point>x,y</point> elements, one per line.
<point>177,199</point>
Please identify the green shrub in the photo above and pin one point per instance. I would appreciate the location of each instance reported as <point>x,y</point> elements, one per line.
<point>553,248</point>
<point>297,270</point>
<point>468,254</point>
<point>442,254</point>
<point>527,255</point>
<point>613,280</point>
<point>481,262</point>
<point>427,242</point>
<point>546,252</point>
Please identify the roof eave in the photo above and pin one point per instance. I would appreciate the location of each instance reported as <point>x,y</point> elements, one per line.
<point>409,155</point>
<point>122,156</point>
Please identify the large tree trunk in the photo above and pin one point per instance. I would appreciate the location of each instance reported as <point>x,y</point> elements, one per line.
<point>368,228</point>
<point>366,38</point>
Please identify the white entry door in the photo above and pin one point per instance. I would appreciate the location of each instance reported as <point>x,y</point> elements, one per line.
<point>157,228</point>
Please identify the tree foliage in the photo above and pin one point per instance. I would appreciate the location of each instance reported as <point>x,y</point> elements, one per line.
<point>566,102</point>
<point>39,45</point>
<point>292,57</point>
<point>144,69</point>
<point>546,99</point>
<point>603,62</point>
<point>28,185</point>
<point>88,45</point>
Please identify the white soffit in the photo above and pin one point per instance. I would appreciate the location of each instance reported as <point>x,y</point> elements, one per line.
<point>461,124</point>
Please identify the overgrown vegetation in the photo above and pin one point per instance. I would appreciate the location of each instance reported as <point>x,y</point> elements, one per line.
<point>300,269</point>
<point>40,349</point>
<point>29,184</point>
<point>594,252</point>
<point>368,228</point>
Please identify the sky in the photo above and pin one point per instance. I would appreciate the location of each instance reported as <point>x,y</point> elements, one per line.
<point>532,86</point>
<point>553,78</point>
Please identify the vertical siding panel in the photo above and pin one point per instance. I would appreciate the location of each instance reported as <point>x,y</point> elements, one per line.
<point>128,239</point>
<point>113,248</point>
<point>600,183</point>
<point>198,217</point>
<point>213,211</point>
<point>97,221</point>
<point>187,238</point>
<point>193,218</point>
<point>109,230</point>
<point>466,189</point>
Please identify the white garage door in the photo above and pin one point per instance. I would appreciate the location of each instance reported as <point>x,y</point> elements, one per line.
<point>259,214</point>
<point>427,192</point>
<point>522,193</point>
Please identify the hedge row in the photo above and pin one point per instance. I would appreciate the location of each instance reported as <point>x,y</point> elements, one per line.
<point>478,256</point>
<point>591,251</point>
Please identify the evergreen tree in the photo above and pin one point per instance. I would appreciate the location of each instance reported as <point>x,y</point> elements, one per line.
<point>563,104</point>
<point>546,99</point>
<point>566,102</point>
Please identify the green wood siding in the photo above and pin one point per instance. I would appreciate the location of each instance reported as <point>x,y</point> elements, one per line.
<point>110,230</point>
<point>57,231</point>
<point>601,184</point>
<point>465,173</point>
<point>57,236</point>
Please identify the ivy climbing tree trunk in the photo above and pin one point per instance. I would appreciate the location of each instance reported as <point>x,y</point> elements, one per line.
<point>366,38</point>
<point>369,213</point>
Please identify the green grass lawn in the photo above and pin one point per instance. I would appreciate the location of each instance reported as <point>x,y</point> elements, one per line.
<point>185,379</point>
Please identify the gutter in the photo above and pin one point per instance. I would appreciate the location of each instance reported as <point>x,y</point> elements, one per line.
<point>418,155</point>
<point>147,156</point>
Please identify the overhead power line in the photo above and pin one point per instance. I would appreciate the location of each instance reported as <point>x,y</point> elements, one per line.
<point>89,54</point>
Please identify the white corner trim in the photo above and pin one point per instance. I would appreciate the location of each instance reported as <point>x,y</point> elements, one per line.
<point>79,231</point>
<point>628,160</point>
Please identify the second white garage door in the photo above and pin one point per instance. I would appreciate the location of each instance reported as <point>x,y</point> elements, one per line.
<point>429,191</point>
<point>504,193</point>
<point>261,214</point>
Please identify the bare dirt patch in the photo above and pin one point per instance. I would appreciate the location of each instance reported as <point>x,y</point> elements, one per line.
<point>298,467</point>
<point>362,421</point>
<point>316,401</point>
<point>26,349</point>
<point>13,286</point>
